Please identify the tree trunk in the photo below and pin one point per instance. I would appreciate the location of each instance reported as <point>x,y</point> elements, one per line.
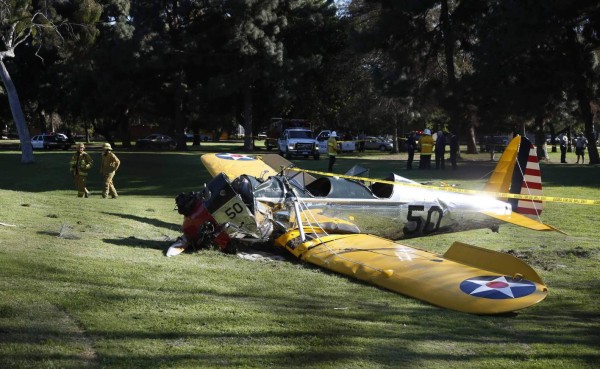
<point>124,128</point>
<point>179,113</point>
<point>540,138</point>
<point>474,123</point>
<point>248,118</point>
<point>395,147</point>
<point>453,106</point>
<point>584,95</point>
<point>18,116</point>
<point>588,118</point>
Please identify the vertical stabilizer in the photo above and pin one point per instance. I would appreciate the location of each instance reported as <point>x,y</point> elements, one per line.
<point>527,180</point>
<point>501,178</point>
<point>518,172</point>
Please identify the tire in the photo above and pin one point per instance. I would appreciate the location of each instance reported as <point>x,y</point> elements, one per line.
<point>288,155</point>
<point>382,148</point>
<point>316,156</point>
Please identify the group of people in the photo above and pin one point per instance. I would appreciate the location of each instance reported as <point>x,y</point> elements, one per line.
<point>426,142</point>
<point>80,164</point>
<point>580,145</point>
<point>430,146</point>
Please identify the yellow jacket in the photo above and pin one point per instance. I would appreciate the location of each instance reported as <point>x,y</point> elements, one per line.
<point>426,142</point>
<point>80,163</point>
<point>110,163</point>
<point>332,146</point>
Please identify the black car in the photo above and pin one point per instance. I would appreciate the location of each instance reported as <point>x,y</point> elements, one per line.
<point>156,141</point>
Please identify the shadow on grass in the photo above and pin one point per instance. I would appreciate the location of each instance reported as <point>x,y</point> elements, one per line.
<point>135,242</point>
<point>150,221</point>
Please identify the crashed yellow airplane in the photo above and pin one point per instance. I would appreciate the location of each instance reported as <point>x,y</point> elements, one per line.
<point>346,225</point>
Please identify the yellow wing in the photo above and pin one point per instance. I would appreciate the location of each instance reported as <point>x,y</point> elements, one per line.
<point>259,166</point>
<point>467,278</point>
<point>234,165</point>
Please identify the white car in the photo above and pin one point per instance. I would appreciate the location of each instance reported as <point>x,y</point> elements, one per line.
<point>53,141</point>
<point>345,146</point>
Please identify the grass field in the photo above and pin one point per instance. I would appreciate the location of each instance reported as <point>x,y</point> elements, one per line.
<point>84,283</point>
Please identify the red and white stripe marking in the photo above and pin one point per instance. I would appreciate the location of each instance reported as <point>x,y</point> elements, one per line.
<point>532,185</point>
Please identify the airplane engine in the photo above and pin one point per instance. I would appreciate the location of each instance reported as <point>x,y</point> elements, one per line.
<point>200,229</point>
<point>221,212</point>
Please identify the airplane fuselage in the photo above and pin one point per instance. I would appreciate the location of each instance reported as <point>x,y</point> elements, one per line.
<point>406,211</point>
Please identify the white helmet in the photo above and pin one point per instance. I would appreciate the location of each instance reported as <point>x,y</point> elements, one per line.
<point>333,134</point>
<point>427,131</point>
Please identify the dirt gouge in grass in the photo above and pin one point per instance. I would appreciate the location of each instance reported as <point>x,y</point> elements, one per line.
<point>346,225</point>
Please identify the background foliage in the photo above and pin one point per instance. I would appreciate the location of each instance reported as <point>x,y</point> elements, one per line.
<point>469,66</point>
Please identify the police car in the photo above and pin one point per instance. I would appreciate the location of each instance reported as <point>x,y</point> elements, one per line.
<point>51,141</point>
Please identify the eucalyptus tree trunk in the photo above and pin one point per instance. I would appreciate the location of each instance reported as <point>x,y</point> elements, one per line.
<point>473,125</point>
<point>179,113</point>
<point>540,138</point>
<point>584,94</point>
<point>18,116</point>
<point>453,105</point>
<point>248,140</point>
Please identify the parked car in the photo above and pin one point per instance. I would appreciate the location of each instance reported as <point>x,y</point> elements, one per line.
<point>51,141</point>
<point>156,141</point>
<point>497,143</point>
<point>378,143</point>
<point>203,137</point>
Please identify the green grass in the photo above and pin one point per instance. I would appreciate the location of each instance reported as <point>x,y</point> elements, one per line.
<point>84,282</point>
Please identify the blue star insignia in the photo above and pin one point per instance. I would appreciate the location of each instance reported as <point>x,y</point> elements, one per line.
<point>497,287</point>
<point>234,157</point>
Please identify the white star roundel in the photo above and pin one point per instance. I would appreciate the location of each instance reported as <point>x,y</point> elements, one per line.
<point>497,287</point>
<point>234,157</point>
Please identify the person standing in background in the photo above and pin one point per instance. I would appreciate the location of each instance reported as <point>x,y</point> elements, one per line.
<point>80,164</point>
<point>110,164</point>
<point>563,140</point>
<point>454,150</point>
<point>440,151</point>
<point>332,150</point>
<point>411,147</point>
<point>426,143</point>
<point>580,146</point>
<point>361,141</point>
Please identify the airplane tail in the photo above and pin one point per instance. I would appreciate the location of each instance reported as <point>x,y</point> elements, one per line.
<point>518,172</point>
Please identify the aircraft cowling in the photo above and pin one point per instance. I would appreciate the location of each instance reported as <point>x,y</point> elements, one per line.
<point>202,230</point>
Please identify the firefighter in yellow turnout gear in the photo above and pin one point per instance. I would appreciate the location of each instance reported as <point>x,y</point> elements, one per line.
<point>110,164</point>
<point>426,143</point>
<point>80,164</point>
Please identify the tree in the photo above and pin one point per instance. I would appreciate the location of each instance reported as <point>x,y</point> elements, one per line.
<point>35,24</point>
<point>532,58</point>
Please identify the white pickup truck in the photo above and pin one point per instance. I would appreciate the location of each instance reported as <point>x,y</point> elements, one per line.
<point>298,142</point>
<point>345,146</point>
